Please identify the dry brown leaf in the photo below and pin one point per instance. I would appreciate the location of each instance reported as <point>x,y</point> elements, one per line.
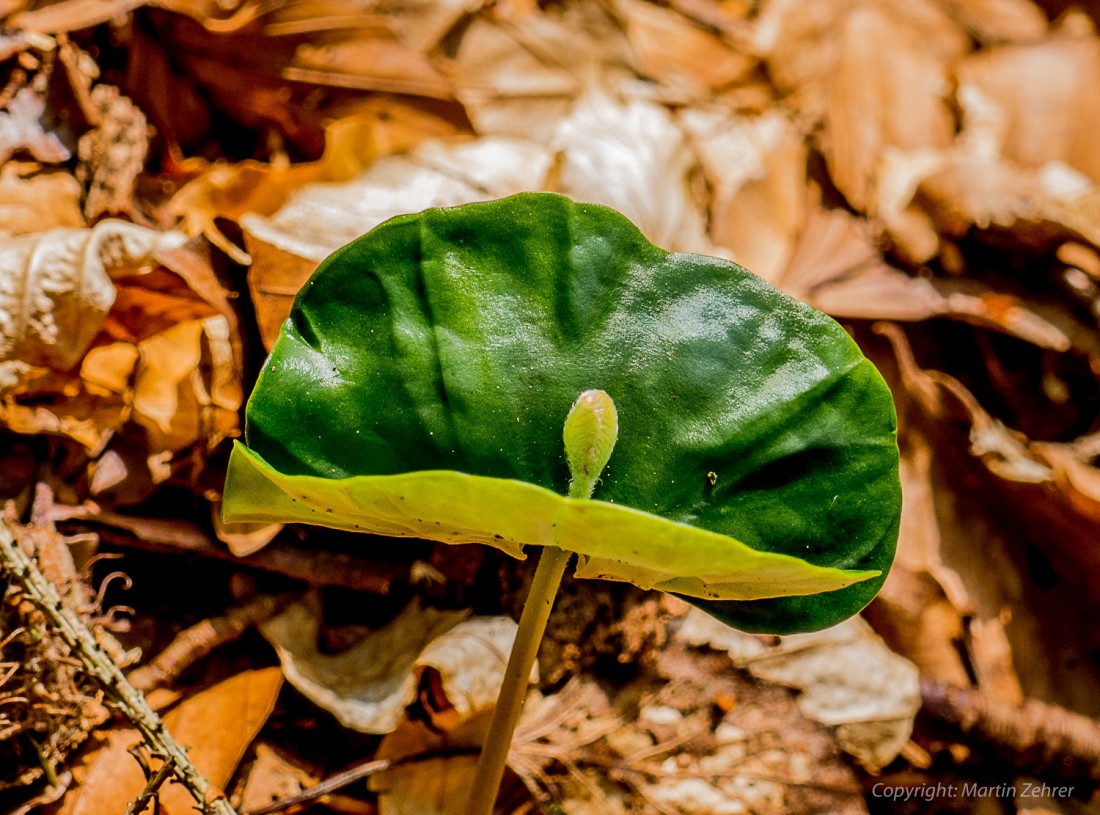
<point>21,128</point>
<point>217,725</point>
<point>351,143</point>
<point>886,92</point>
<point>436,785</point>
<point>999,21</point>
<point>272,778</point>
<point>684,57</point>
<point>520,75</point>
<point>367,686</point>
<point>1038,101</point>
<point>834,245</point>
<point>56,288</point>
<point>630,155</point>
<point>756,171</point>
<point>38,203</point>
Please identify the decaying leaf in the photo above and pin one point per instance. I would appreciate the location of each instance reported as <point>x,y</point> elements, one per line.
<point>756,169</point>
<point>319,218</point>
<point>38,203</point>
<point>217,724</point>
<point>57,289</point>
<point>369,685</point>
<point>872,707</point>
<point>432,782</point>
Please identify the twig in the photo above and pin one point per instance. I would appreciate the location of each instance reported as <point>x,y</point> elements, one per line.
<point>316,566</point>
<point>137,806</point>
<point>195,642</point>
<point>77,636</point>
<point>349,776</point>
<point>1042,737</point>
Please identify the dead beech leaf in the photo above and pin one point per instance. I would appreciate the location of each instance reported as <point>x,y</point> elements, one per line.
<point>435,785</point>
<point>272,778</point>
<point>21,128</point>
<point>689,60</point>
<point>229,191</point>
<point>886,91</point>
<point>848,679</point>
<point>39,203</point>
<point>518,75</point>
<point>756,170</point>
<point>630,155</point>
<point>1038,99</point>
<point>217,725</point>
<point>320,217</point>
<point>367,686</point>
<point>998,21</point>
<point>55,288</point>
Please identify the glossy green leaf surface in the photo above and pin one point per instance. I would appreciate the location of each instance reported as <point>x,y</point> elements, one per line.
<point>437,357</point>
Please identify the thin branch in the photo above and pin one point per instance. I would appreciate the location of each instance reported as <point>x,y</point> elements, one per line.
<point>83,643</point>
<point>195,642</point>
<point>1041,737</point>
<point>137,806</point>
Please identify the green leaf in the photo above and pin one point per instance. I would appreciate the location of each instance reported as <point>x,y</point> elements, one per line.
<point>444,350</point>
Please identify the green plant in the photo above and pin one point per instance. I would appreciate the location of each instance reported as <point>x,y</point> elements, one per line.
<point>421,384</point>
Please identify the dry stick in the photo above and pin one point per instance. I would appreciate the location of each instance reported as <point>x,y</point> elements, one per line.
<point>1056,740</point>
<point>137,806</point>
<point>195,642</point>
<point>77,636</point>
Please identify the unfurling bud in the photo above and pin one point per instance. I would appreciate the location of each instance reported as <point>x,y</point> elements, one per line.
<point>591,429</point>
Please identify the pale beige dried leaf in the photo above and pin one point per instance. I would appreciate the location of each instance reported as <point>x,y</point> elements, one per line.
<point>887,90</point>
<point>469,661</point>
<point>320,217</point>
<point>847,678</point>
<point>630,155</point>
<point>999,21</point>
<point>421,24</point>
<point>1040,98</point>
<point>519,75</point>
<point>756,171</point>
<point>21,128</point>
<point>55,288</point>
<point>834,244</point>
<point>39,203</point>
<point>367,686</point>
<point>802,42</point>
<point>670,49</point>
<point>505,88</point>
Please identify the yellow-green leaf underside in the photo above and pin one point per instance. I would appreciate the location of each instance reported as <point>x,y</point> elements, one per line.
<point>614,542</point>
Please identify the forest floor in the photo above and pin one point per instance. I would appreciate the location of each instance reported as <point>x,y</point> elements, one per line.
<point>925,171</point>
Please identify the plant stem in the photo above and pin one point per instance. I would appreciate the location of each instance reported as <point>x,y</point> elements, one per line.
<point>590,432</point>
<point>532,624</point>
